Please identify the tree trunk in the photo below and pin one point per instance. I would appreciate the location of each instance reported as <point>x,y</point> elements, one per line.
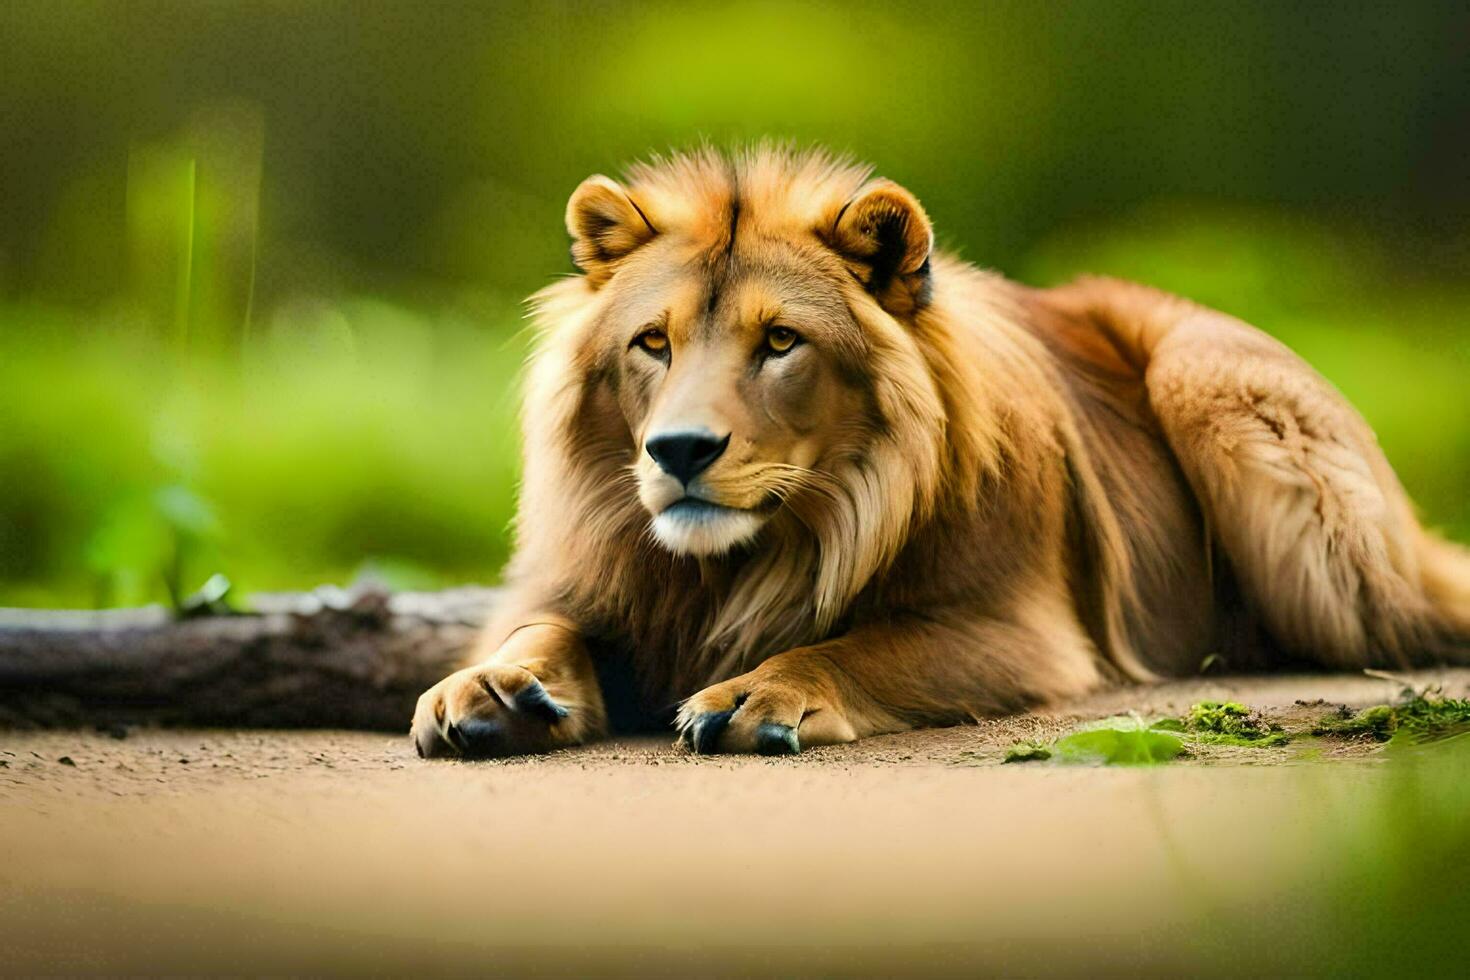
<point>324,659</point>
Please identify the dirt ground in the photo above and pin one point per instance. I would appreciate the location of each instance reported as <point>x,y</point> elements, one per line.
<point>331,852</point>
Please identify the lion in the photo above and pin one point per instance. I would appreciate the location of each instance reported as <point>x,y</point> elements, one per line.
<point>804,479</point>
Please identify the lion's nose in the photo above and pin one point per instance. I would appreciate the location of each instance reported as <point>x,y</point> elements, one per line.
<point>687,453</point>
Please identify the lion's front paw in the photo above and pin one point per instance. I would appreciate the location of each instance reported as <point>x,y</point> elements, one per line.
<point>770,711</point>
<point>495,710</point>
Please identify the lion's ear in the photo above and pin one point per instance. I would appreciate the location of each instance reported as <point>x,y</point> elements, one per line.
<point>605,225</point>
<point>885,237</point>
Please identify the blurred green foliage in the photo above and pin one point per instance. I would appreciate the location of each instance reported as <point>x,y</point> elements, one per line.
<point>1381,893</point>
<point>348,432</point>
<point>260,262</point>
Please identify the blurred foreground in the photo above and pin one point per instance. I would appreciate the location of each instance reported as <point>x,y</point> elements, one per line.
<point>917,854</point>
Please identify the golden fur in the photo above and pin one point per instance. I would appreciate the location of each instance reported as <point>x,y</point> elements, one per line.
<point>942,495</point>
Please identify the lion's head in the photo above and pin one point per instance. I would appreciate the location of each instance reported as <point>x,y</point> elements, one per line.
<point>742,308</point>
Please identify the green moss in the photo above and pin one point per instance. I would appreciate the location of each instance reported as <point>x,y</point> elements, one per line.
<point>1226,723</point>
<point>1027,752</point>
<point>1420,718</point>
<point>1220,717</point>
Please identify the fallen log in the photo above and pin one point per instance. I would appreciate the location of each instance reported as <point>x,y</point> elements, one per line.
<point>324,659</point>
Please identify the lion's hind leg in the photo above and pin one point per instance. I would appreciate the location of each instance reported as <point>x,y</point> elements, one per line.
<point>1320,535</point>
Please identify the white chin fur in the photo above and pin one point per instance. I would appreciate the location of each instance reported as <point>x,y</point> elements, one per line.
<point>707,531</point>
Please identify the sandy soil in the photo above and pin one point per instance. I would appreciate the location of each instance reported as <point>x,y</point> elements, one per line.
<point>289,852</point>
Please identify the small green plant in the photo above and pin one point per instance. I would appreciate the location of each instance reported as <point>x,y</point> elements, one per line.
<point>1122,741</point>
<point>1119,746</point>
<point>165,535</point>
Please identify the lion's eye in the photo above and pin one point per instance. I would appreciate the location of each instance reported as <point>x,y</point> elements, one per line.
<point>781,339</point>
<point>656,342</point>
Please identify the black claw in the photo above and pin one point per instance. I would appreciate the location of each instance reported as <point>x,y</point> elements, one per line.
<point>775,739</point>
<point>708,728</point>
<point>455,737</point>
